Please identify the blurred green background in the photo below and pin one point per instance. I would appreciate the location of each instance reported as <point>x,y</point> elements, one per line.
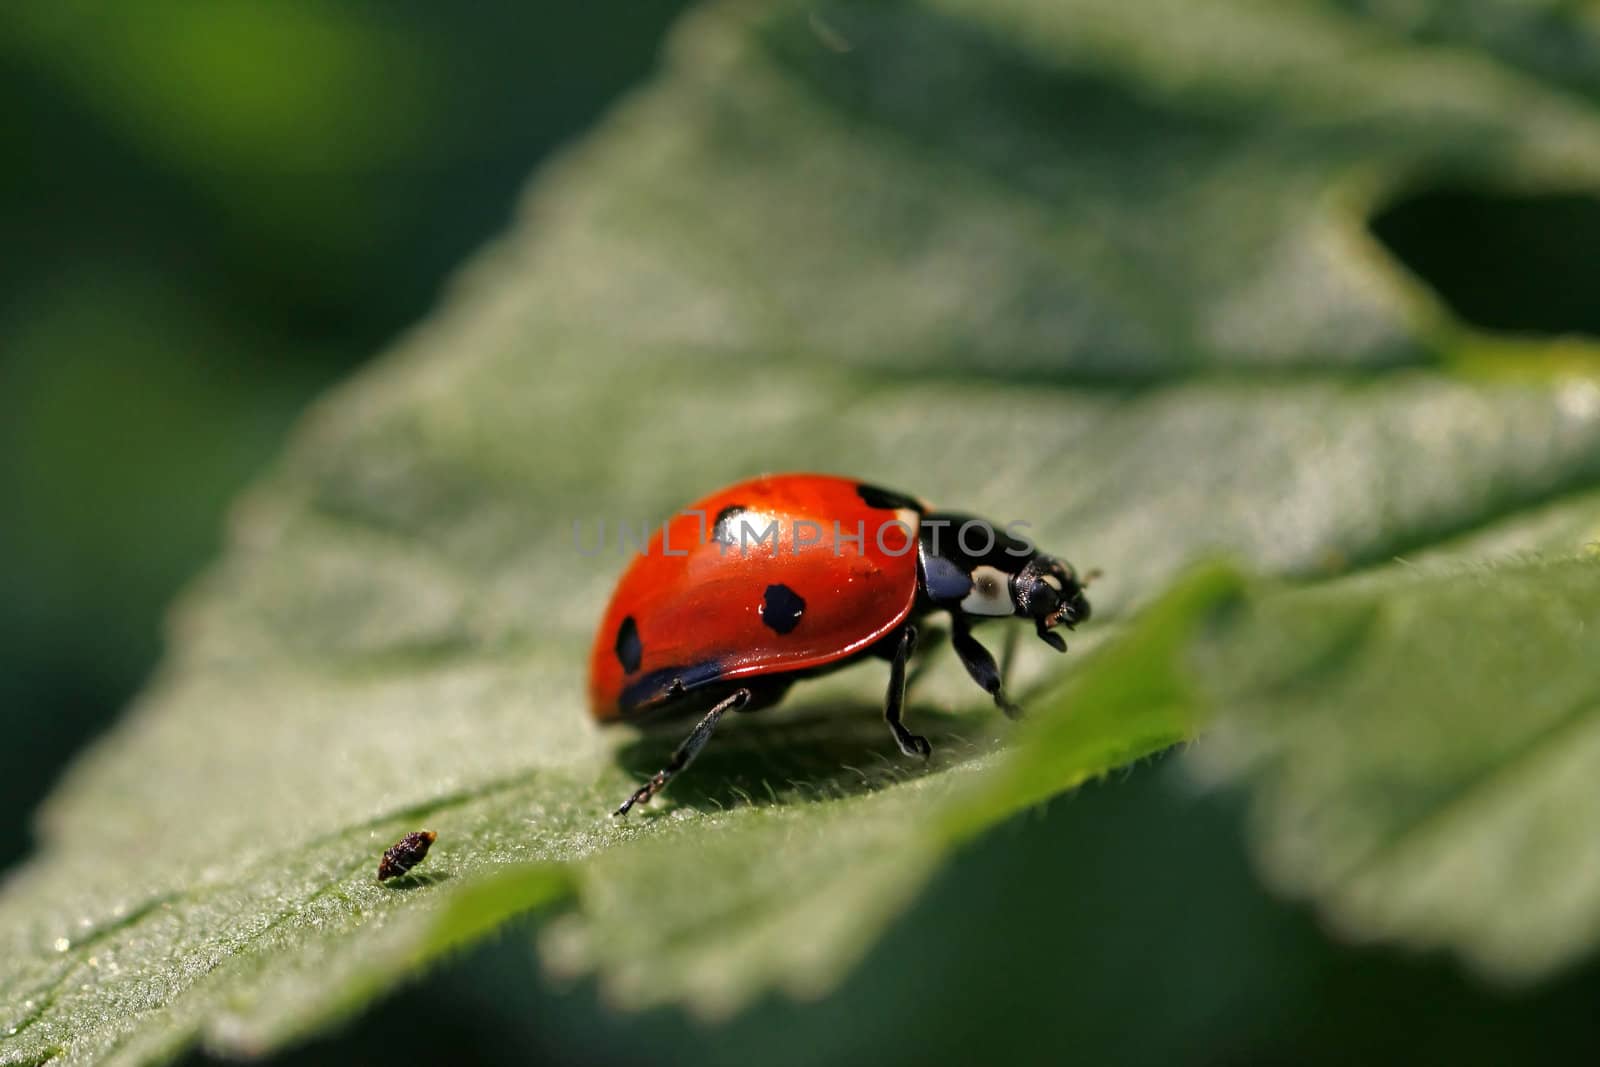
<point>217,211</point>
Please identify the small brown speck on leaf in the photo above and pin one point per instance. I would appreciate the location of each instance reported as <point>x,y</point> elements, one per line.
<point>405,854</point>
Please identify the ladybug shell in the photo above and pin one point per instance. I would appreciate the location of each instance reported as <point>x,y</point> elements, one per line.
<point>734,607</point>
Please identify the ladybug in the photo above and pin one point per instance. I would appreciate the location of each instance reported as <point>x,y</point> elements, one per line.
<point>789,576</point>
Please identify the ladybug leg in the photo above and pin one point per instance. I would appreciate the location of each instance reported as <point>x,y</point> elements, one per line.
<point>976,659</point>
<point>1008,654</point>
<point>928,638</point>
<point>686,752</point>
<point>911,744</point>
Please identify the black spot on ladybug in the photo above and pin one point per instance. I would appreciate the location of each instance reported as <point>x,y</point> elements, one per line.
<point>878,497</point>
<point>726,527</point>
<point>781,608</point>
<point>630,650</point>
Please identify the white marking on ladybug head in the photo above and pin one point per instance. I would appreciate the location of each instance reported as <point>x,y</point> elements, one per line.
<point>991,593</point>
<point>1053,582</point>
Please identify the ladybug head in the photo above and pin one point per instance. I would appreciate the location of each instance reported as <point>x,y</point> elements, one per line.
<point>1006,576</point>
<point>1049,591</point>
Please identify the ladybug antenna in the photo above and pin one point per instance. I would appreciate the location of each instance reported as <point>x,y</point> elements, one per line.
<point>1090,576</point>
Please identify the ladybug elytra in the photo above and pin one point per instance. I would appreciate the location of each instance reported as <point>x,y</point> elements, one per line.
<point>788,576</point>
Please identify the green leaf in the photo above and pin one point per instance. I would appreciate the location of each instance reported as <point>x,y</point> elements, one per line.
<point>1422,745</point>
<point>1045,262</point>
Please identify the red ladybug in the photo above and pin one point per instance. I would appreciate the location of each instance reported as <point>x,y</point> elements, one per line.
<point>789,576</point>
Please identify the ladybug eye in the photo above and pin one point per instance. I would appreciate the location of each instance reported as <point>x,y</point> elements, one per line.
<point>1044,594</point>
